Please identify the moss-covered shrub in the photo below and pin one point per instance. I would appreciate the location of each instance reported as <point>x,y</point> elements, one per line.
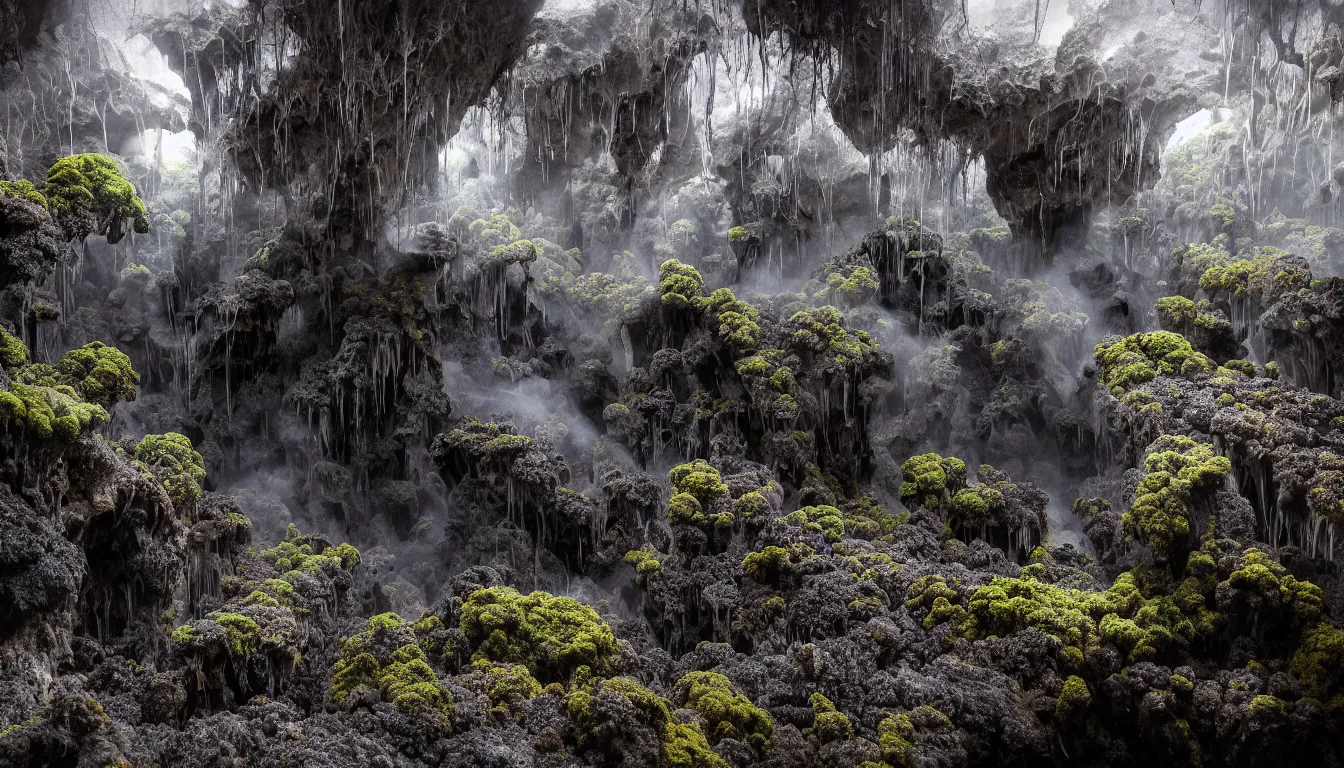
<point>553,636</point>
<point>931,481</point>
<point>173,461</point>
<point>773,565</point>
<point>49,413</point>
<point>696,487</point>
<point>1074,698</point>
<point>726,712</point>
<point>87,194</point>
<point>1176,472</point>
<point>679,284</point>
<point>828,724</point>
<point>680,745</point>
<point>1319,664</point>
<point>901,735</point>
<point>1140,358</point>
<point>13,353</point>
<point>387,658</point>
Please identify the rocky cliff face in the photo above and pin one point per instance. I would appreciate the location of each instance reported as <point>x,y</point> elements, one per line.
<point>650,382</point>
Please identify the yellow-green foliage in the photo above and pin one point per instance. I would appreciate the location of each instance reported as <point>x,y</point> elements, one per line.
<point>943,604</point>
<point>518,252</point>
<point>89,191</point>
<point>135,276</point>
<point>482,442</point>
<point>173,461</point>
<point>294,556</point>
<point>507,686</point>
<point>11,729</point>
<point>772,564</point>
<point>1266,707</point>
<point>898,735</point>
<point>826,520</point>
<point>827,724</point>
<point>1035,301</point>
<point>244,634</point>
<point>646,563</point>
<point>1074,698</point>
<point>25,190</point>
<point>1319,664</point>
<point>553,636</point>
<point>770,369</point>
<point>1262,277</point>
<point>979,503</point>
<point>739,234</point>
<point>1142,626</point>
<point>47,413</point>
<point>684,746</point>
<point>738,323</point>
<point>99,373</point>
<point>176,223</point>
<point>1295,601</point>
<point>931,480</point>
<point>680,284</point>
<point>601,294</point>
<point>55,402</point>
<point>854,285</point>
<point>13,353</point>
<point>1176,472</point>
<point>681,745</point>
<point>726,712</point>
<point>1326,497</point>
<point>751,505</point>
<point>695,486</point>
<point>1181,315</point>
<point>496,230</point>
<point>1176,311</point>
<point>1223,213</point>
<point>821,331</point>
<point>402,678</point>
<point>1194,259</point>
<point>1140,358</point>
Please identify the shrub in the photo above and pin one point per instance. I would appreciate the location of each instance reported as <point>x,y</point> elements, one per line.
<point>1074,697</point>
<point>1140,358</point>
<point>1176,471</point>
<point>386,657</point>
<point>827,724</point>
<point>13,353</point>
<point>726,712</point>
<point>930,480</point>
<point>99,373</point>
<point>87,194</point>
<point>173,461</point>
<point>680,284</point>
<point>1319,662</point>
<point>553,636</point>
